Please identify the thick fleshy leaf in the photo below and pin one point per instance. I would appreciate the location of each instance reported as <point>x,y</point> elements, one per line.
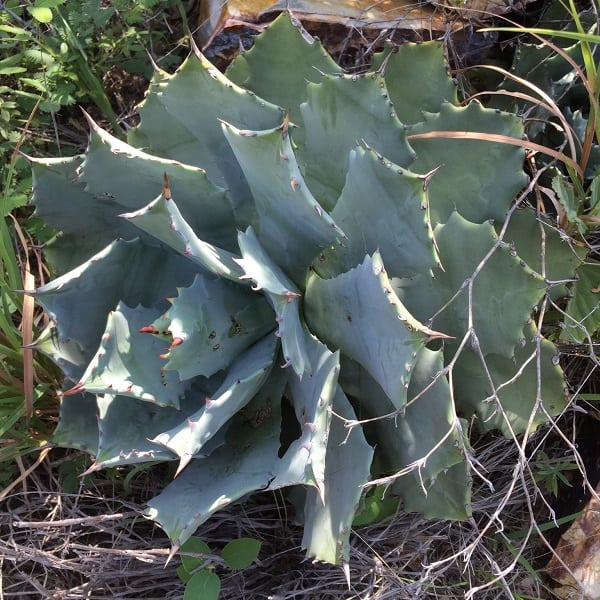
<point>78,423</point>
<point>327,525</point>
<point>403,66</point>
<point>281,83</point>
<point>77,216</point>
<point>162,220</point>
<point>417,446</point>
<point>394,221</point>
<point>137,177</point>
<point>127,426</point>
<point>292,226</point>
<point>244,464</point>
<point>340,112</point>
<point>528,387</point>
<point>583,309</point>
<point>448,494</point>
<point>283,296</point>
<point>475,197</point>
<point>128,362</point>
<point>180,120</point>
<point>244,379</point>
<point>66,353</point>
<point>504,286</point>
<point>359,313</point>
<point>545,249</point>
<point>213,322</point>
<point>130,271</point>
<point>312,398</point>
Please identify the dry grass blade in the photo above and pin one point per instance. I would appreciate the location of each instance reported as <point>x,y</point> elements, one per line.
<point>502,139</point>
<point>90,545</point>
<point>26,324</point>
<point>592,95</point>
<point>25,474</point>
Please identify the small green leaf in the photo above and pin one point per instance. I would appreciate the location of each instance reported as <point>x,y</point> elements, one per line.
<point>375,507</point>
<point>40,13</point>
<point>204,584</point>
<point>241,553</point>
<point>595,197</point>
<point>193,546</point>
<point>183,574</point>
<point>569,201</point>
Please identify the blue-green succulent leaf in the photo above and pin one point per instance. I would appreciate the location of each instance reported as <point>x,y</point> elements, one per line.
<point>339,113</point>
<point>180,120</point>
<point>512,394</point>
<point>78,423</point>
<point>137,177</point>
<point>443,299</point>
<point>245,463</point>
<point>359,313</point>
<point>76,215</point>
<point>211,323</point>
<point>128,362</point>
<point>447,495</point>
<point>475,197</point>
<point>327,524</point>
<point>416,446</point>
<point>244,379</point>
<point>583,309</point>
<point>292,226</point>
<point>312,398</point>
<point>127,426</point>
<point>67,354</point>
<point>282,83</point>
<point>284,296</point>
<point>395,220</point>
<point>163,220</point>
<point>544,248</point>
<point>405,65</point>
<point>130,271</point>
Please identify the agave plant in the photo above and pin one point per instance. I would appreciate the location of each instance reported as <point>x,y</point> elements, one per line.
<point>322,293</point>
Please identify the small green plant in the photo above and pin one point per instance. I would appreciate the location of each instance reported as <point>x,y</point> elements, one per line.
<point>551,472</point>
<point>198,564</point>
<point>58,54</point>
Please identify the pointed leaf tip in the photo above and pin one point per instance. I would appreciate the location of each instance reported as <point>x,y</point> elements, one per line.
<point>183,463</point>
<point>76,389</point>
<point>166,191</point>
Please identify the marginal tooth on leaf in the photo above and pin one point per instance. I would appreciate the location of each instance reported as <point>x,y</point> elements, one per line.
<point>76,389</point>
<point>148,329</point>
<point>174,551</point>
<point>184,461</point>
<point>176,342</point>
<point>346,569</point>
<point>427,177</point>
<point>92,469</point>
<point>291,295</point>
<point>294,183</point>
